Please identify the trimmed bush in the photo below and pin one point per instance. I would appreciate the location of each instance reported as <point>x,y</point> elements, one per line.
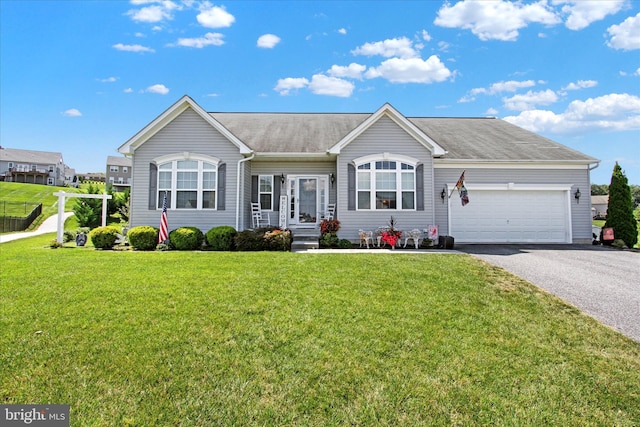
<point>186,238</point>
<point>143,238</point>
<point>252,240</point>
<point>221,238</point>
<point>104,237</point>
<point>345,244</point>
<point>329,240</point>
<point>278,240</point>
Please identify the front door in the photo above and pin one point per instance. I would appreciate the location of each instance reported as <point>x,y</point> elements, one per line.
<point>308,199</point>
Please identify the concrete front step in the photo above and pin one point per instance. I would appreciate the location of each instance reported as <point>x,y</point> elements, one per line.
<point>304,238</point>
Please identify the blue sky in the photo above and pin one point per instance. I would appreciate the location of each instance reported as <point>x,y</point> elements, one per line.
<point>81,78</point>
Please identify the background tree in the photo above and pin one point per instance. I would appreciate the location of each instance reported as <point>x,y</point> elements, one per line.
<point>620,209</point>
<point>599,189</point>
<point>88,212</point>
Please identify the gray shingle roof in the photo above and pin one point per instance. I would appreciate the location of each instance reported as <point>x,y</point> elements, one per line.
<point>29,156</point>
<point>118,161</point>
<point>289,132</point>
<point>488,139</point>
<point>493,139</point>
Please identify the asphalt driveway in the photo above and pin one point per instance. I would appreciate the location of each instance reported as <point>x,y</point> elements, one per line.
<point>602,282</point>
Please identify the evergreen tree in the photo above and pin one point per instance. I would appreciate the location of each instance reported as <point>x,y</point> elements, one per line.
<point>620,209</point>
<point>88,212</point>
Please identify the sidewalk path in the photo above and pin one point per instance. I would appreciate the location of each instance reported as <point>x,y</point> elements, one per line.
<point>49,225</point>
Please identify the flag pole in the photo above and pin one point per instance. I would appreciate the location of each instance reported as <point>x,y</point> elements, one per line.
<point>459,184</point>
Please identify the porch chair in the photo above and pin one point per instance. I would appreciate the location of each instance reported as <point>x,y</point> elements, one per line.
<point>258,218</point>
<point>331,211</point>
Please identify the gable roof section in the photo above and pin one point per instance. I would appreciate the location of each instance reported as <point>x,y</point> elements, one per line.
<point>300,133</point>
<point>168,116</point>
<point>388,111</point>
<point>491,139</point>
<point>30,156</point>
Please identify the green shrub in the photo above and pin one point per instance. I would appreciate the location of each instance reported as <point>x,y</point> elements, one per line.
<point>186,238</point>
<point>69,236</point>
<point>104,237</point>
<point>252,240</point>
<point>345,244</point>
<point>278,240</point>
<point>143,238</point>
<point>329,240</point>
<point>221,238</point>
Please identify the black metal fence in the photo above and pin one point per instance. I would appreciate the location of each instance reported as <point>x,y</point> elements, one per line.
<point>18,223</point>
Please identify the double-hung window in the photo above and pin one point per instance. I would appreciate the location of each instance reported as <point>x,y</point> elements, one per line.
<point>386,184</point>
<point>190,183</point>
<point>265,192</point>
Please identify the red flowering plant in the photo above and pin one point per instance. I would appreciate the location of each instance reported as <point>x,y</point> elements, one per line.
<point>329,226</point>
<point>392,235</point>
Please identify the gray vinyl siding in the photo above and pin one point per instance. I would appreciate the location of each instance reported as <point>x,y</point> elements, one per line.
<point>187,133</point>
<point>383,136</point>
<point>577,178</point>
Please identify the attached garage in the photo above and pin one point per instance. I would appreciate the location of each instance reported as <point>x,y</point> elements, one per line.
<point>511,214</point>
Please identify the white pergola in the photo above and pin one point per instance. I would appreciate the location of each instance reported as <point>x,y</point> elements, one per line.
<point>62,197</point>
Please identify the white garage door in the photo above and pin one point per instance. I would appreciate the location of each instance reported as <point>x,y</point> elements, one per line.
<point>511,216</point>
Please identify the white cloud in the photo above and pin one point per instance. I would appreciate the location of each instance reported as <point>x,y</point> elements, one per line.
<point>158,88</point>
<point>637,73</point>
<point>401,47</point>
<point>128,90</point>
<point>155,13</point>
<point>332,86</point>
<point>497,88</point>
<point>212,95</point>
<point>214,16</point>
<point>132,48</point>
<point>268,41</point>
<point>209,39</point>
<point>530,99</point>
<point>495,20</point>
<point>72,112</point>
<point>582,13</point>
<point>352,71</point>
<point>491,112</point>
<point>342,31</point>
<point>284,86</point>
<point>625,36</point>
<point>612,112</point>
<point>581,84</point>
<point>426,36</point>
<point>108,80</point>
<point>411,70</point>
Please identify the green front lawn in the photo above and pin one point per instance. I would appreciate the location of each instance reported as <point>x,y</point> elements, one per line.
<point>244,339</point>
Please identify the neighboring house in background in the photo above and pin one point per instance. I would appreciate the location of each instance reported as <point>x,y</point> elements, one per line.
<point>30,166</point>
<point>212,166</point>
<point>94,176</point>
<point>118,172</point>
<point>70,177</point>
<point>599,206</point>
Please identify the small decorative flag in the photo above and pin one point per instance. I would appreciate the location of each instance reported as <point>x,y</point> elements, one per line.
<point>464,194</point>
<point>164,225</point>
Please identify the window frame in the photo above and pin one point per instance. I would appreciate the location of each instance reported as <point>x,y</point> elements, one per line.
<point>270,193</point>
<point>173,189</point>
<point>370,173</point>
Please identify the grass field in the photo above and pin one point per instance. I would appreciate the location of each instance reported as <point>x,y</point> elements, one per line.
<point>261,339</point>
<point>32,194</point>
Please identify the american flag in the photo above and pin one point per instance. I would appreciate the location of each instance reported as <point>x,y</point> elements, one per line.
<point>164,225</point>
